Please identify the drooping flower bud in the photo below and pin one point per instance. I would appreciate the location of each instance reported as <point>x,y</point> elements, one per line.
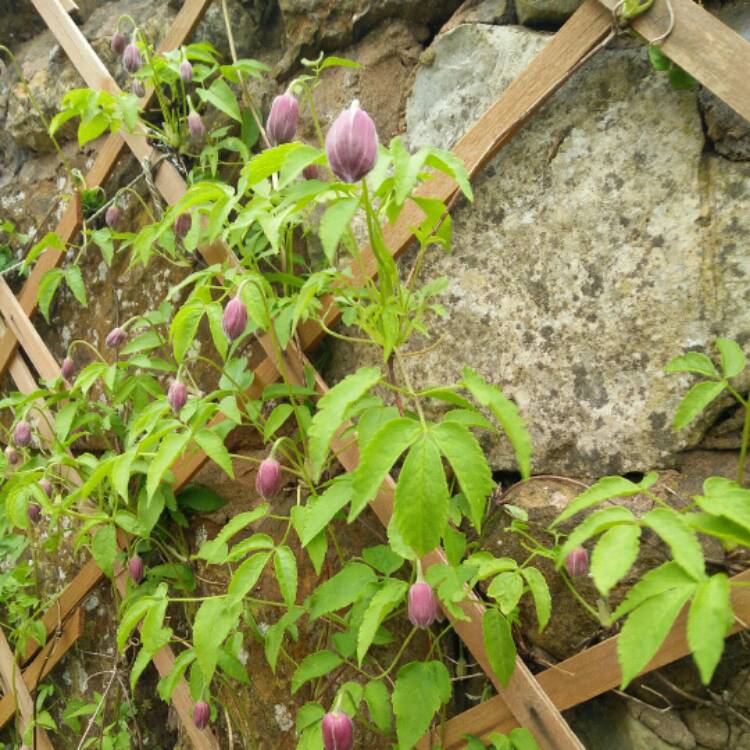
<point>352,144</point>
<point>135,568</point>
<point>34,512</point>
<point>177,395</point>
<point>131,58</point>
<point>182,225</point>
<point>22,434</point>
<point>268,479</point>
<point>118,42</point>
<point>186,71</point>
<point>116,338</point>
<point>46,485</point>
<point>12,456</point>
<point>235,318</point>
<point>338,731</point>
<point>313,172</point>
<point>138,88</point>
<point>201,714</point>
<point>196,128</point>
<point>282,119</point>
<point>112,217</point>
<point>67,368</point>
<point>423,606</point>
<point>577,562</point>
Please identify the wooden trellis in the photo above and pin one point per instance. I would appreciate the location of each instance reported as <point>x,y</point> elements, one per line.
<point>699,43</point>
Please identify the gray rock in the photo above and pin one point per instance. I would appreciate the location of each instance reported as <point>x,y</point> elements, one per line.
<point>708,728</point>
<point>545,12</point>
<point>481,11</point>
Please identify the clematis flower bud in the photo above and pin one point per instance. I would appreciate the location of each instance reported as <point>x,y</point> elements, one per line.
<point>196,128</point>
<point>423,605</point>
<point>313,172</point>
<point>12,456</point>
<point>116,338</point>
<point>338,731</point>
<point>22,434</point>
<point>282,119</point>
<point>46,485</point>
<point>135,568</point>
<point>112,217</point>
<point>138,88</point>
<point>34,512</point>
<point>131,58</point>
<point>235,318</point>
<point>118,42</point>
<point>182,225</point>
<point>201,714</point>
<point>177,395</point>
<point>577,562</point>
<point>352,144</point>
<point>186,71</point>
<point>67,368</point>
<point>268,479</point>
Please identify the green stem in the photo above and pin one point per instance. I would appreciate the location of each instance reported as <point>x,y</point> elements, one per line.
<point>743,447</point>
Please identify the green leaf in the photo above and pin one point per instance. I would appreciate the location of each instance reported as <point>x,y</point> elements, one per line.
<point>130,619</point>
<point>184,328</point>
<point>213,446</point>
<point>214,620</point>
<point>377,459</point>
<point>446,161</point>
<point>694,362</point>
<point>334,223</point>
<point>275,634</point>
<point>332,410</point>
<point>383,558</point>
<point>666,577</point>
<point>506,589</point>
<point>596,523</point>
<point>709,621</point>
<point>167,684</point>
<point>314,665</point>
<point>74,280</point>
<point>47,287</point>
<point>169,451</point>
<point>522,739</point>
<point>378,702</point>
<point>314,517</point>
<point>150,509</point>
<point>499,644</point>
<point>540,593</point>
<point>341,590</point>
<point>695,401</point>
<point>659,61</point>
<point>64,420</point>
<point>199,499</point>
<point>681,539</point>
<point>732,357</point>
<point>104,548</point>
<point>421,688</point>
<point>276,419</point>
<point>381,605</point>
<point>285,565</point>
<point>613,556</point>
<point>421,500</point>
<point>247,574</point>
<point>222,97</point>
<point>506,413</point>
<point>645,630</point>
<point>469,463</point>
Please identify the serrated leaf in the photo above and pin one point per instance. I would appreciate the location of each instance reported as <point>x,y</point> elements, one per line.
<point>381,605</point>
<point>681,539</point>
<point>541,595</point>
<point>378,702</point>
<point>506,589</point>
<point>596,523</point>
<point>695,362</point>
<point>166,685</point>
<point>247,574</point>
<point>334,223</point>
<point>314,665</point>
<point>666,577</point>
<point>285,565</point>
<point>732,357</point>
<point>213,446</point>
<point>276,419</point>
<point>695,401</point>
<point>499,644</point>
<point>169,451</point>
<point>341,590</point>
<point>184,328</point>
<point>709,622</point>
<point>214,620</point>
<point>104,548</point>
<point>314,517</point>
<point>613,556</point>
<point>74,280</point>
<point>47,287</point>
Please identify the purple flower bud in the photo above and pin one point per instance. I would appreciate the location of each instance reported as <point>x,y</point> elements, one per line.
<point>282,119</point>
<point>135,568</point>
<point>46,485</point>
<point>182,225</point>
<point>34,512</point>
<point>201,714</point>
<point>12,456</point>
<point>22,434</point>
<point>268,479</point>
<point>118,42</point>
<point>67,368</point>
<point>131,58</point>
<point>186,71</point>
<point>112,217</point>
<point>423,605</point>
<point>235,318</point>
<point>352,144</point>
<point>577,562</point>
<point>138,88</point>
<point>116,338</point>
<point>177,395</point>
<point>338,732</point>
<point>196,128</point>
<point>313,172</point>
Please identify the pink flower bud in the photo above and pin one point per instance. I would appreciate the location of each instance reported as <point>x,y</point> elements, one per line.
<point>34,512</point>
<point>423,605</point>
<point>22,434</point>
<point>46,485</point>
<point>118,42</point>
<point>313,172</point>
<point>131,58</point>
<point>235,318</point>
<point>268,479</point>
<point>138,88</point>
<point>67,368</point>
<point>177,395</point>
<point>338,732</point>
<point>352,144</point>
<point>186,71</point>
<point>12,456</point>
<point>282,119</point>
<point>182,225</point>
<point>577,562</point>
<point>201,714</point>
<point>196,128</point>
<point>112,217</point>
<point>135,568</point>
<point>116,338</point>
